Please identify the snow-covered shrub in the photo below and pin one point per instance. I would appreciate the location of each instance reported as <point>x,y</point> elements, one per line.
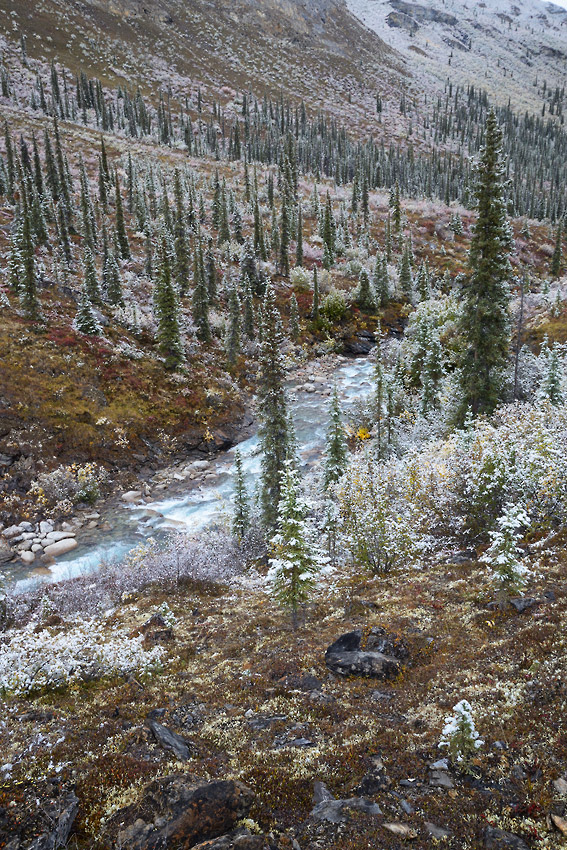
<point>452,489</point>
<point>35,661</point>
<point>460,736</point>
<point>74,483</point>
<point>301,278</point>
<point>334,306</point>
<point>508,572</point>
<point>374,526</point>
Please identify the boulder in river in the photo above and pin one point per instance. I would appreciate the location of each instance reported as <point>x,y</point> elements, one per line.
<point>60,547</point>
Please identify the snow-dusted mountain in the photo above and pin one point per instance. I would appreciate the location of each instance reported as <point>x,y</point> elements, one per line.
<point>508,47</point>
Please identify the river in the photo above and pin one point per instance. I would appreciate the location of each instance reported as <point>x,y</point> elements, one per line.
<point>201,505</point>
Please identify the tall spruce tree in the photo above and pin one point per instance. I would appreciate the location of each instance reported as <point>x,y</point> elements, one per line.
<point>233,329</point>
<point>120,225</point>
<point>294,318</point>
<point>28,287</point>
<point>241,514</point>
<point>299,245</point>
<point>485,321</point>
<point>200,297</point>
<point>364,296</point>
<point>85,320</point>
<point>335,453</point>
<point>272,410</point>
<point>557,253</point>
<point>167,313</point>
<point>315,306</point>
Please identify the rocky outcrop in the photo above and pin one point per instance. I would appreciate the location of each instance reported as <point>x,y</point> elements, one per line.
<point>377,654</point>
<point>179,811</point>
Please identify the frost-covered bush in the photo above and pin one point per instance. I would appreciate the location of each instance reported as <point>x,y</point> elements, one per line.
<point>352,268</point>
<point>334,306</point>
<point>180,559</point>
<point>301,278</point>
<point>455,488</point>
<point>35,661</point>
<point>71,484</point>
<point>460,736</point>
<point>374,526</point>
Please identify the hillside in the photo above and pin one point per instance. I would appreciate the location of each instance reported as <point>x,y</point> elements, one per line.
<point>509,49</point>
<point>283,426</point>
<point>314,51</point>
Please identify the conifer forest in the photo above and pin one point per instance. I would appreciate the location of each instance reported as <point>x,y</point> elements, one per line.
<point>283,425</point>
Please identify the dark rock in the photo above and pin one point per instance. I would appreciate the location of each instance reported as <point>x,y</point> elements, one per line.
<point>6,553</point>
<point>239,840</point>
<point>497,839</point>
<point>407,807</point>
<point>440,779</point>
<point>63,819</point>
<point>358,345</point>
<point>378,656</point>
<point>169,740</point>
<point>259,723</point>
<point>336,811</point>
<point>36,716</point>
<point>376,779</point>
<point>179,811</point>
<point>437,831</point>
<point>522,603</point>
<point>321,793</point>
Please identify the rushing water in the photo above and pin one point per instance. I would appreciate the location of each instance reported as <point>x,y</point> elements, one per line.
<point>202,504</point>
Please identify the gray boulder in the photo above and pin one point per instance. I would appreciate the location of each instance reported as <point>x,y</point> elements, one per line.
<point>379,656</point>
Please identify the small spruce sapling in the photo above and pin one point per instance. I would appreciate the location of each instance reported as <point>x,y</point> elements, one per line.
<point>461,737</point>
<point>295,561</point>
<point>503,556</point>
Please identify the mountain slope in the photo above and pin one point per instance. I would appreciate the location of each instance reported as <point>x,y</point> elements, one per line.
<point>501,45</point>
<point>311,50</point>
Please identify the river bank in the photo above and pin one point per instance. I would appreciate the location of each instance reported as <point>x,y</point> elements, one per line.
<point>186,495</point>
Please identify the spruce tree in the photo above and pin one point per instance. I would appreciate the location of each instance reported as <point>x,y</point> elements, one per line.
<point>167,313</point>
<point>299,246</point>
<point>294,318</point>
<point>233,330</point>
<point>272,410</point>
<point>200,298</point>
<point>211,273</point>
<point>381,283</point>
<point>550,388</point>
<point>557,253</point>
<point>120,226</point>
<point>315,306</point>
<point>85,320</point>
<point>485,321</point>
<point>181,268</point>
<point>364,296</point>
<point>241,514</point>
<point>295,560</point>
<point>406,277</point>
<point>113,282</point>
<point>335,453</point>
<point>28,287</point>
<point>284,239</point>
<point>91,279</point>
